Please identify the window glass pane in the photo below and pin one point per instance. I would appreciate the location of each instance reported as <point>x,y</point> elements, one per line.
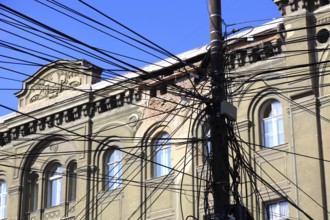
<point>34,193</point>
<point>268,126</point>
<point>168,159</point>
<point>276,108</point>
<point>284,210</point>
<point>269,141</point>
<point>3,199</point>
<point>55,186</point>
<point>268,132</point>
<point>114,170</point>
<point>277,211</point>
<point>35,197</point>
<point>163,155</point>
<point>72,182</point>
<point>280,130</point>
<point>280,124</point>
<point>56,192</point>
<point>273,132</point>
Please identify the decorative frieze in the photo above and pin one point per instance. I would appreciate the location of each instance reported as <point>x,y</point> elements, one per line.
<point>128,98</point>
<point>23,130</point>
<point>41,124</point>
<point>324,20</point>
<point>32,127</point>
<point>76,113</point>
<point>53,214</point>
<point>120,99</point>
<point>110,103</point>
<point>100,106</point>
<point>58,118</point>
<point>137,95</point>
<point>87,110</point>
<point>67,115</point>
<point>50,121</point>
<point>6,138</point>
<point>14,133</point>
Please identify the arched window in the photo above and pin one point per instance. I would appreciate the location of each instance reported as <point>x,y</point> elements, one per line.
<point>272,121</point>
<point>33,204</point>
<point>113,170</point>
<point>72,181</point>
<point>162,155</point>
<point>54,185</point>
<point>3,199</point>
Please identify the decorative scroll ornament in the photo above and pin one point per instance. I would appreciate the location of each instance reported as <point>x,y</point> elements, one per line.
<point>53,147</point>
<point>55,83</point>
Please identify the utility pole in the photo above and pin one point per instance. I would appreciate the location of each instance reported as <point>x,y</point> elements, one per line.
<point>219,142</point>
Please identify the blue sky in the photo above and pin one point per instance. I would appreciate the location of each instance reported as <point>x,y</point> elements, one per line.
<point>176,25</point>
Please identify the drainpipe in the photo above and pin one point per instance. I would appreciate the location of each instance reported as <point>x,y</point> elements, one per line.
<point>293,148</point>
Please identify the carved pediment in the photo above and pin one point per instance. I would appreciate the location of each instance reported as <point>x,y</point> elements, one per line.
<point>53,84</point>
<point>57,79</point>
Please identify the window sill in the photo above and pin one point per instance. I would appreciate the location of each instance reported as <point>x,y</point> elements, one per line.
<point>55,206</point>
<point>278,149</point>
<point>156,180</point>
<point>116,190</point>
<point>110,195</point>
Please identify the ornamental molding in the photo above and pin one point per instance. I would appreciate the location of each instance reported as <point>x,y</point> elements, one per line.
<point>14,190</point>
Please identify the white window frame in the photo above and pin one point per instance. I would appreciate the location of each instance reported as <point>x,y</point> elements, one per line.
<point>55,180</point>
<point>277,210</point>
<point>162,155</point>
<point>274,135</point>
<point>113,170</point>
<point>3,199</point>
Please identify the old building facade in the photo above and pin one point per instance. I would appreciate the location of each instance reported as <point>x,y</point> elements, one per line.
<point>137,146</point>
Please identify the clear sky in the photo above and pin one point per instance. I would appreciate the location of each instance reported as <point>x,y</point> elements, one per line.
<point>176,25</point>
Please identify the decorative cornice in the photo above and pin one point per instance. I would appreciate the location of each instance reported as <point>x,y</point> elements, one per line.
<point>69,115</point>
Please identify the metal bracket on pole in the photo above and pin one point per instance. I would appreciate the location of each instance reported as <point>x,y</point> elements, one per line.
<point>228,110</point>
